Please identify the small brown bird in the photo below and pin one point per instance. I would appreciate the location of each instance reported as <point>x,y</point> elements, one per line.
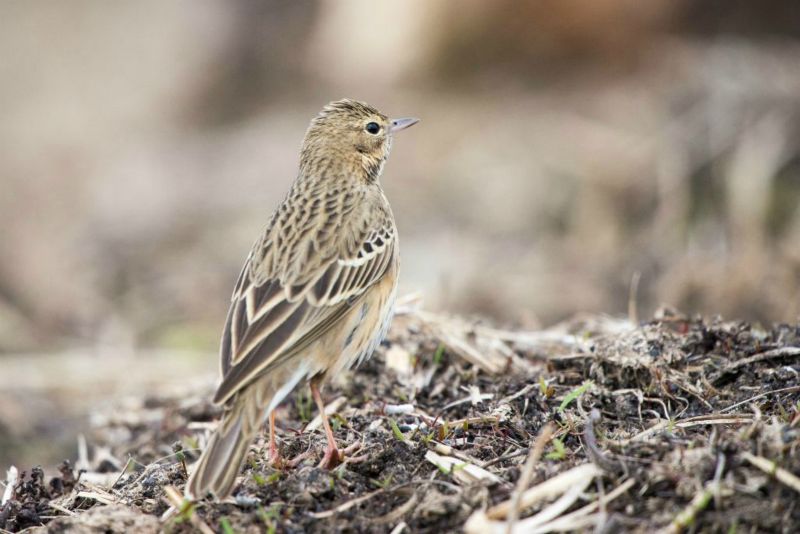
<point>316,292</point>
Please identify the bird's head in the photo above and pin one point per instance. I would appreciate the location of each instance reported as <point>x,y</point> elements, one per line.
<point>353,133</point>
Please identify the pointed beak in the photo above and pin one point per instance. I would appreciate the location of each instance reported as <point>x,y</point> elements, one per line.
<point>402,124</point>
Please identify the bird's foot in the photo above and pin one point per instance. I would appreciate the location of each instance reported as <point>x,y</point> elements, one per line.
<point>274,457</point>
<point>277,461</point>
<point>294,462</point>
<point>334,456</point>
<point>356,459</point>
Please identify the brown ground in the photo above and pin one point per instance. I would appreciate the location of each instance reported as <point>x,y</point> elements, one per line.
<point>681,423</point>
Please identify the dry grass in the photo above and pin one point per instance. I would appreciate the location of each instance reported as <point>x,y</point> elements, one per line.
<point>597,423</point>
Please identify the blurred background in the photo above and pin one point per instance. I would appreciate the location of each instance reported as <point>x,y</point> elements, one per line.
<point>568,147</point>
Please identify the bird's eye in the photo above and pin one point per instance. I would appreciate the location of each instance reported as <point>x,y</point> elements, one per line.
<point>373,128</point>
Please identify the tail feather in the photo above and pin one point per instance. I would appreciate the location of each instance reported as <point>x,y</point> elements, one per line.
<point>222,459</point>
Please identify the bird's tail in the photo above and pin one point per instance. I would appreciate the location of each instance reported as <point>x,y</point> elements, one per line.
<point>222,459</point>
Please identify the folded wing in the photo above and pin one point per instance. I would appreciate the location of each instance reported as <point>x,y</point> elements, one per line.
<point>272,320</point>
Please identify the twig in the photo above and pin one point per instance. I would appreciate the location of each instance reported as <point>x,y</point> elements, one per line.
<point>505,457</point>
<point>346,505</point>
<point>398,512</point>
<point>469,421</point>
<point>464,472</point>
<point>61,509</point>
<point>447,450</point>
<point>712,419</point>
<point>97,496</point>
<point>717,477</point>
<point>782,352</point>
<point>527,473</point>
<point>474,420</point>
<point>480,397</point>
<point>83,454</point>
<point>593,451</point>
<point>523,391</point>
<point>772,469</point>
<point>688,515</point>
<point>122,472</point>
<point>762,395</point>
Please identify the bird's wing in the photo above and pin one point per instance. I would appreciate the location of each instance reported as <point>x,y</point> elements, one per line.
<point>272,319</point>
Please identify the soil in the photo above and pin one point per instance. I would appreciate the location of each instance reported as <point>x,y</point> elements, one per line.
<point>675,418</point>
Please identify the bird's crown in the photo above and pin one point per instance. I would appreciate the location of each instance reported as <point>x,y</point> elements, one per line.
<point>349,108</point>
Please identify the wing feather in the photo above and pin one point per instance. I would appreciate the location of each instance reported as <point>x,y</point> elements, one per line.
<point>271,320</point>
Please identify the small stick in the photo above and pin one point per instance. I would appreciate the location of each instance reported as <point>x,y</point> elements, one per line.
<point>527,473</point>
<point>782,352</point>
<point>178,449</point>
<point>593,451</point>
<point>762,395</point>
<point>122,473</point>
<point>772,469</point>
<point>688,515</point>
<point>83,454</point>
<point>61,509</point>
<point>346,505</point>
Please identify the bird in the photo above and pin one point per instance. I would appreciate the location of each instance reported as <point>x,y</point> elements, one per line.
<point>316,293</point>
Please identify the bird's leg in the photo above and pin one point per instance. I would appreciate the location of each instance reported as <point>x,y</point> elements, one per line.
<point>275,459</point>
<point>332,456</point>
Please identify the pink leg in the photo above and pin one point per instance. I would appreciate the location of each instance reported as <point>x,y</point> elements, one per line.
<point>332,456</point>
<point>275,459</point>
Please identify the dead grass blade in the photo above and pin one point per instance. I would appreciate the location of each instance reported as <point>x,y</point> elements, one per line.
<point>527,472</point>
<point>11,481</point>
<point>552,487</point>
<point>772,469</point>
<point>462,471</point>
<point>569,485</point>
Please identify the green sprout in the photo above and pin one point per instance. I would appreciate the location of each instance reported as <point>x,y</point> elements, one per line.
<point>439,354</point>
<point>382,484</point>
<point>396,430</point>
<point>574,394</point>
<point>559,452</point>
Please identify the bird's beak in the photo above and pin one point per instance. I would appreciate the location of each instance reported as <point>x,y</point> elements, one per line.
<point>402,124</point>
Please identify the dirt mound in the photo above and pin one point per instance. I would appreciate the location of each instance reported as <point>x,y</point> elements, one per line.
<point>672,423</point>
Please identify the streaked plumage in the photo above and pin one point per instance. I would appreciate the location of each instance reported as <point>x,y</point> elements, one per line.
<point>316,292</point>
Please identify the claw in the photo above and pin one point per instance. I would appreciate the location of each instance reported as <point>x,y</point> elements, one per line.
<point>331,458</point>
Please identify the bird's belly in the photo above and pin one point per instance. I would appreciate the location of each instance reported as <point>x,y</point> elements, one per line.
<point>363,329</point>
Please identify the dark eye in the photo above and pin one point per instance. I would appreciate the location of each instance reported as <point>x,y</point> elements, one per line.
<point>373,127</point>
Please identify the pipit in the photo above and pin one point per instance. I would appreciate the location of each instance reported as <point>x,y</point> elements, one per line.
<point>316,292</point>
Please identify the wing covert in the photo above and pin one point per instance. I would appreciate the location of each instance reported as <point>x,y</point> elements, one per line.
<point>271,320</point>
